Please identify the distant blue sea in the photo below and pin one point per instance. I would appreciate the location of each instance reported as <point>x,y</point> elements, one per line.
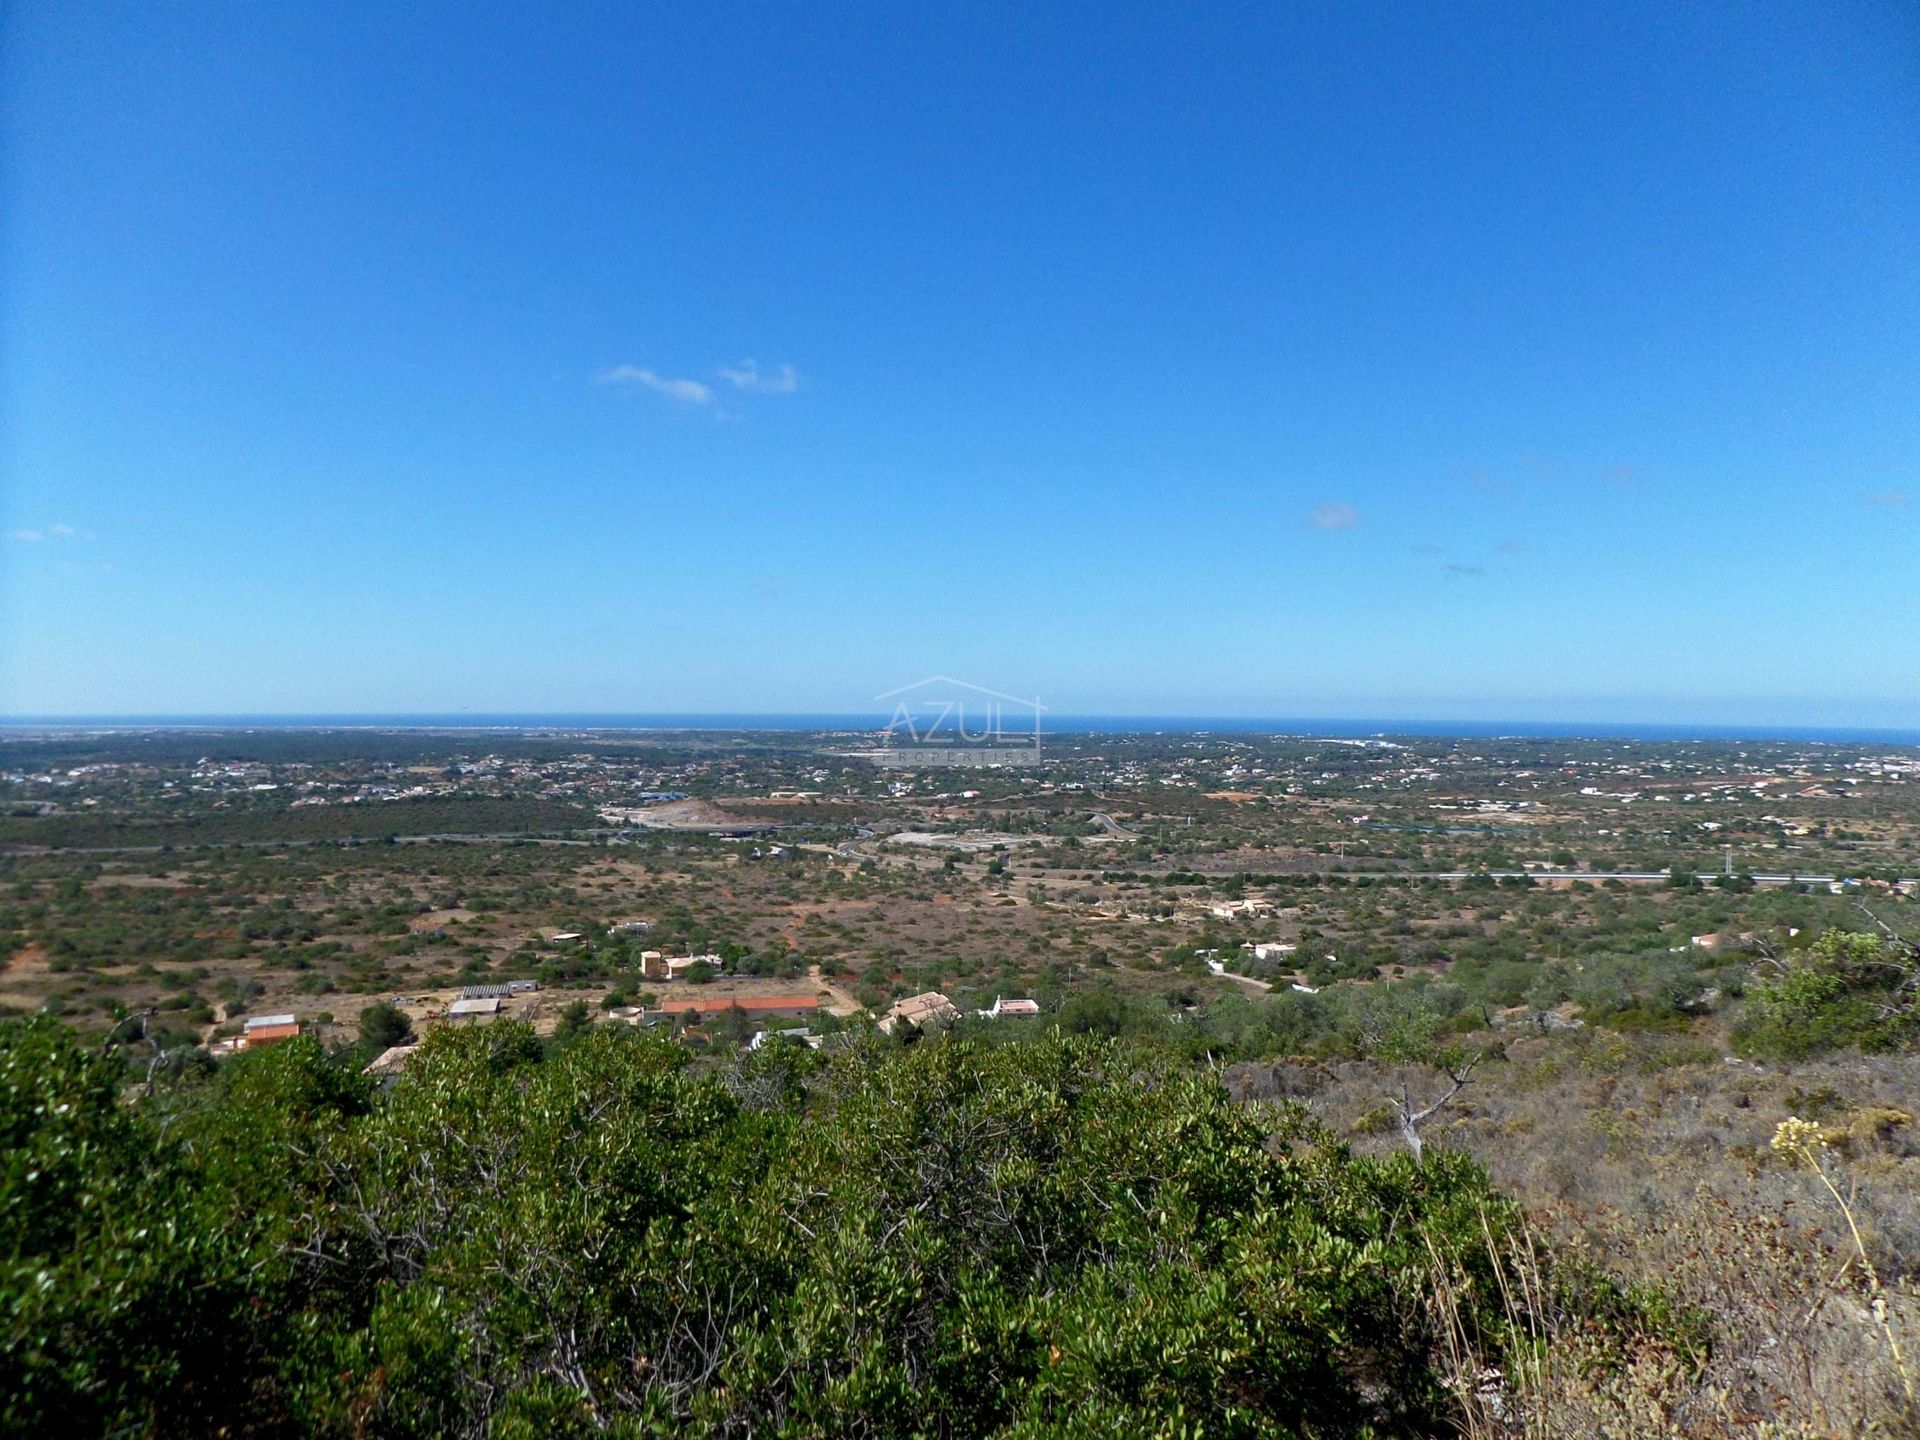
<point>1054,725</point>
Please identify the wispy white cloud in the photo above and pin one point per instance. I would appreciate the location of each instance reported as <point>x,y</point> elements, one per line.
<point>1511,547</point>
<point>40,535</point>
<point>687,392</point>
<point>1453,567</point>
<point>1335,515</point>
<point>748,376</point>
<point>1890,500</point>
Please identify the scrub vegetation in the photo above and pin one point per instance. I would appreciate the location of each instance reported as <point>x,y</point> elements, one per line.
<point>1372,1091</point>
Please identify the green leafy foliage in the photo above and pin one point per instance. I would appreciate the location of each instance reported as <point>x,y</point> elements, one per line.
<point>1048,1238</point>
<point>121,1297</point>
<point>1844,991</point>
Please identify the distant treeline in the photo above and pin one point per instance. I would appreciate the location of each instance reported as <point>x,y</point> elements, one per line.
<point>174,748</point>
<point>370,820</point>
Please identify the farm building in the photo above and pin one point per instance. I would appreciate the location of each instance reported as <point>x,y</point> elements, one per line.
<point>1003,1008</point>
<point>265,1029</point>
<point>654,965</point>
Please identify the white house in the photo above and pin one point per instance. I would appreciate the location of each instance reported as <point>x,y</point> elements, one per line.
<point>1009,1007</point>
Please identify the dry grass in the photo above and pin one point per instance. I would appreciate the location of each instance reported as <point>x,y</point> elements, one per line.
<point>1791,1349</point>
<point>1664,1176</point>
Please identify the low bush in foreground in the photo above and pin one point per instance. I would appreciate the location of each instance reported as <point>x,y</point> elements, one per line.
<point>943,1240</point>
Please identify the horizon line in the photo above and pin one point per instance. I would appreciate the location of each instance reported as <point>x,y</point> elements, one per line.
<point>1123,722</point>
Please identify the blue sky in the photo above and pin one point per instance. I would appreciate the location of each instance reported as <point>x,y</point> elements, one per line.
<point>1528,361</point>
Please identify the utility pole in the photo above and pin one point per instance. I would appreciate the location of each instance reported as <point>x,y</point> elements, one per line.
<point>1729,866</point>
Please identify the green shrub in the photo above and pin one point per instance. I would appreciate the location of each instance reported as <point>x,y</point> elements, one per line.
<point>123,1302</point>
<point>384,1025</point>
<point>1056,1237</point>
<point>1845,991</point>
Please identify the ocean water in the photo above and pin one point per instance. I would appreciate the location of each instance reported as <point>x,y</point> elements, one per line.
<point>1053,725</point>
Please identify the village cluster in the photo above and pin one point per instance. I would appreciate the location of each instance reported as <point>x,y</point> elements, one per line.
<point>769,1015</point>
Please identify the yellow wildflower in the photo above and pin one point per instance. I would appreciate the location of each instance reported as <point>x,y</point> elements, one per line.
<point>1797,1137</point>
